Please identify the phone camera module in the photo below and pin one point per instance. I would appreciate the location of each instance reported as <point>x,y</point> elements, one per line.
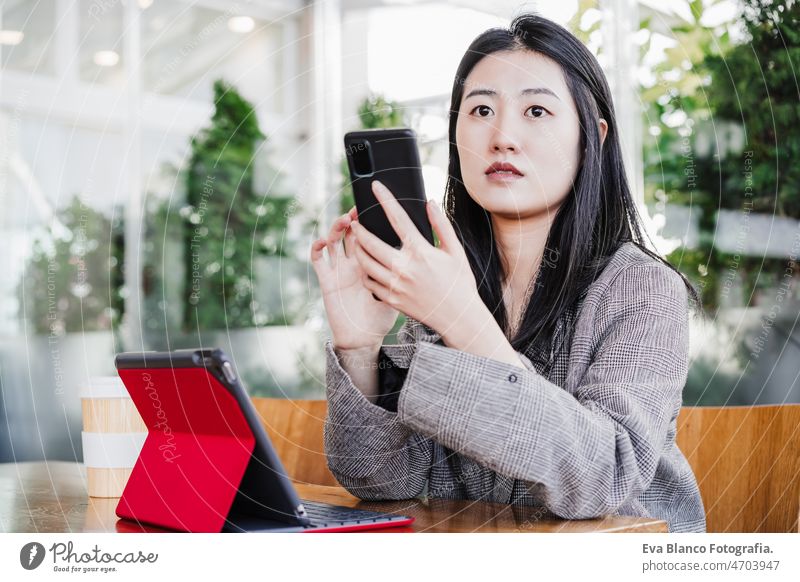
<point>361,154</point>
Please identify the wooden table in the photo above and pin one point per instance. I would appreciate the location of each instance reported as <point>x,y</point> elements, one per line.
<point>51,497</point>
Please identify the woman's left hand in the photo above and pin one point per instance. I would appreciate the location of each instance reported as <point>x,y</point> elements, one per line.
<point>433,285</point>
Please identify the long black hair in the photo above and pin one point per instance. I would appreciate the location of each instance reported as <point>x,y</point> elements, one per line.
<point>596,217</point>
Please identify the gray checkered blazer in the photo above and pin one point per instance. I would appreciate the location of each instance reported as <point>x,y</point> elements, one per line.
<point>587,430</point>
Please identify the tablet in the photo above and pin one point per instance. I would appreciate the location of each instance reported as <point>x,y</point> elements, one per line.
<point>207,464</point>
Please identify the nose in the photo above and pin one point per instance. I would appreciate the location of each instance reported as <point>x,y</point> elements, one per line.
<point>503,139</point>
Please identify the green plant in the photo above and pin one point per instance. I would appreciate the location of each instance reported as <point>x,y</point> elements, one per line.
<point>710,85</point>
<point>163,271</point>
<point>675,105</point>
<point>73,281</point>
<point>755,86</point>
<point>227,223</point>
<point>714,272</point>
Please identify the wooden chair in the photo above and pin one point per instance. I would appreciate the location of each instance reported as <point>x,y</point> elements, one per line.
<point>747,463</point>
<point>295,429</point>
<point>746,459</point>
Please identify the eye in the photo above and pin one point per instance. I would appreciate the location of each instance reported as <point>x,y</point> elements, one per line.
<point>537,111</point>
<point>483,111</point>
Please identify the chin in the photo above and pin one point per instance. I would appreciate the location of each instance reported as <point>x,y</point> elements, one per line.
<point>512,207</point>
<point>509,210</point>
<point>503,197</point>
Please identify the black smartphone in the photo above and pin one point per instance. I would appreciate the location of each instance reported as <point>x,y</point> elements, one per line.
<point>390,156</point>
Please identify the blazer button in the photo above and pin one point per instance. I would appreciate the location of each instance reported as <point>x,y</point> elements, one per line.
<point>512,378</point>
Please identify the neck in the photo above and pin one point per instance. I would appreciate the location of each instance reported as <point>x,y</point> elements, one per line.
<point>521,243</point>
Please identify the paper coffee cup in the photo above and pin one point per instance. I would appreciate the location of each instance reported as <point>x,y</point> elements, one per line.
<point>112,437</point>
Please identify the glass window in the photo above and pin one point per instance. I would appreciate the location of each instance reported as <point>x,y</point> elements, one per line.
<point>185,47</point>
<point>101,43</point>
<point>27,36</point>
<point>220,171</point>
<point>718,159</point>
<point>74,167</point>
<point>62,284</point>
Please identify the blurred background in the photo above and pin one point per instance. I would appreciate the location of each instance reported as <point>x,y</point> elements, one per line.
<point>165,164</point>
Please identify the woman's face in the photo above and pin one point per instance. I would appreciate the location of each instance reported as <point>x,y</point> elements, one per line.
<point>516,109</point>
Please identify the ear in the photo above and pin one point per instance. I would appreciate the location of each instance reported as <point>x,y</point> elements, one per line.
<point>603,130</point>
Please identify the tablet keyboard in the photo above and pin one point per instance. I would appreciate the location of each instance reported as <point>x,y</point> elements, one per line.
<point>326,515</point>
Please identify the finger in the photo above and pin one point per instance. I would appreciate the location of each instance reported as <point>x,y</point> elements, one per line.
<point>377,289</point>
<point>353,213</point>
<point>403,225</point>
<point>379,250</point>
<point>443,227</point>
<point>372,267</point>
<point>335,248</point>
<point>350,241</point>
<point>318,259</point>
<point>338,227</point>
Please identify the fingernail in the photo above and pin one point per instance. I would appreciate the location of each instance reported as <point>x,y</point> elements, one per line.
<point>378,186</point>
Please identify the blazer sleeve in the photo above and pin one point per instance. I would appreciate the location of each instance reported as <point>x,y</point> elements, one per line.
<point>589,448</point>
<point>369,451</point>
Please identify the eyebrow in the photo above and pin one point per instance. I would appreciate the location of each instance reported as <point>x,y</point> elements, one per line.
<point>531,91</point>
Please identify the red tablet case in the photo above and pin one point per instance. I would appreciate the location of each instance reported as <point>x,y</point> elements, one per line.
<point>202,460</point>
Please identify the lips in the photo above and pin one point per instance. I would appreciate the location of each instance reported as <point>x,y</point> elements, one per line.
<point>503,168</point>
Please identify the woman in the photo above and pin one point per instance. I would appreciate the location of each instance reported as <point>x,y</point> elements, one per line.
<point>545,349</point>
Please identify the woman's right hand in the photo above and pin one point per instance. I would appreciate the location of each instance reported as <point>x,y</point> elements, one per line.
<point>356,318</point>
